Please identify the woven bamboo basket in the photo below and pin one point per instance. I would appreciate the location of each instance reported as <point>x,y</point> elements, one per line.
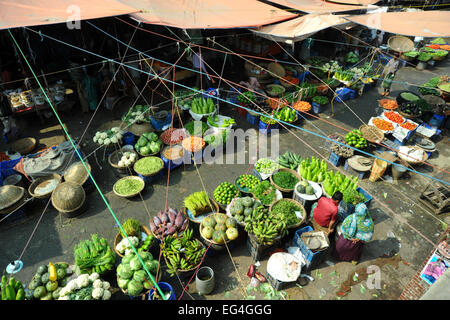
<point>188,272</point>
<point>372,133</point>
<point>400,44</point>
<point>276,69</point>
<point>77,173</point>
<point>425,156</point>
<point>146,292</point>
<point>129,195</point>
<point>140,128</point>
<point>304,215</point>
<point>214,245</point>
<point>269,92</point>
<point>25,145</point>
<point>295,173</point>
<point>114,159</point>
<point>68,197</point>
<point>38,181</point>
<point>119,237</point>
<point>9,195</point>
<point>151,174</point>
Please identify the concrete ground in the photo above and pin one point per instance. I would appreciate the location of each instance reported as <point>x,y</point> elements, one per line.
<point>397,247</point>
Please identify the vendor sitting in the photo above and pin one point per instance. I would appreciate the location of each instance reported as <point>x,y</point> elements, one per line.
<point>325,212</point>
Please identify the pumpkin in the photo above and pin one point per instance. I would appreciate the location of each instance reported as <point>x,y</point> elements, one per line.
<point>232,233</point>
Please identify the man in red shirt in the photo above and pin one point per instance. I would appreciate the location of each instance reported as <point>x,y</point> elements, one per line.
<point>325,213</point>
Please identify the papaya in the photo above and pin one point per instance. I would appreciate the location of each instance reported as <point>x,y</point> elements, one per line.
<point>219,236</point>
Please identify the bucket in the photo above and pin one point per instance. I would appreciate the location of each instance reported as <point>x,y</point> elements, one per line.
<point>129,138</point>
<point>397,171</point>
<point>266,129</point>
<point>160,124</point>
<point>242,112</point>
<point>252,119</point>
<point>204,280</point>
<point>421,65</point>
<point>165,287</point>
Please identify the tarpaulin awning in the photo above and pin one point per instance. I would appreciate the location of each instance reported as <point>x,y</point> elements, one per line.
<point>25,13</point>
<point>355,2</point>
<point>300,28</point>
<point>204,14</point>
<point>317,6</point>
<point>421,24</point>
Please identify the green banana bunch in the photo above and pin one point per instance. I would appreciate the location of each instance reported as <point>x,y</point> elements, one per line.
<point>289,160</point>
<point>264,225</point>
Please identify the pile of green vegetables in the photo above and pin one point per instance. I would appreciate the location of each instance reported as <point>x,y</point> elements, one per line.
<point>11,289</point>
<point>411,54</point>
<point>132,276</point>
<point>217,138</point>
<point>148,165</point>
<point>286,209</point>
<point>289,160</point>
<point>127,187</point>
<point>429,88</point>
<point>198,202</point>
<point>313,169</point>
<point>247,182</point>
<point>148,143</point>
<point>268,120</point>
<point>286,114</point>
<point>307,89</point>
<point>424,56</point>
<point>439,53</point>
<point>183,97</point>
<point>275,90</point>
<point>136,114</point>
<point>322,100</point>
<point>48,281</point>
<point>338,182</point>
<point>182,253</point>
<point>266,226</point>
<point>243,207</point>
<point>265,193</point>
<point>438,41</point>
<point>132,228</point>
<point>352,196</point>
<point>351,57</point>
<point>196,128</point>
<point>247,98</point>
<point>284,179</point>
<point>266,166</point>
<point>225,192</point>
<point>214,122</point>
<point>94,255</point>
<point>201,105</point>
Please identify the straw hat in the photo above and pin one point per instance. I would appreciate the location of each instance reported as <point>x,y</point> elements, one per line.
<point>9,195</point>
<point>400,44</point>
<point>25,145</point>
<point>77,173</point>
<point>68,197</point>
<point>360,163</point>
<point>277,69</point>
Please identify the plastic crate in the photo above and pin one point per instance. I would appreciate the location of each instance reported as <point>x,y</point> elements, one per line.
<point>260,251</point>
<point>172,164</point>
<point>277,284</point>
<point>267,129</point>
<point>252,119</point>
<point>312,258</point>
<point>335,159</point>
<point>366,195</point>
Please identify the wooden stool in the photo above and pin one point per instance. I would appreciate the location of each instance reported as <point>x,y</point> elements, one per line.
<point>349,169</point>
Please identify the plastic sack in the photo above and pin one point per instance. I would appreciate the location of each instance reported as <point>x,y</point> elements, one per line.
<point>378,168</point>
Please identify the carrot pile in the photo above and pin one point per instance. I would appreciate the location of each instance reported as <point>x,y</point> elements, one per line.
<point>302,106</point>
<point>408,125</point>
<point>193,144</point>
<point>388,104</point>
<point>433,46</point>
<point>383,124</point>
<point>394,117</point>
<point>445,47</point>
<point>274,103</point>
<point>290,80</point>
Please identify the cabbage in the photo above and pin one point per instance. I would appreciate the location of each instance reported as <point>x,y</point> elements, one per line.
<point>134,288</point>
<point>125,272</point>
<point>146,256</point>
<point>135,264</point>
<point>123,283</point>
<point>127,258</point>
<point>153,267</point>
<point>139,276</point>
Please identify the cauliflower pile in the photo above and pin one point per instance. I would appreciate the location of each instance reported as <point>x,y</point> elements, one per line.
<point>128,158</point>
<point>124,246</point>
<point>114,135</point>
<point>86,287</point>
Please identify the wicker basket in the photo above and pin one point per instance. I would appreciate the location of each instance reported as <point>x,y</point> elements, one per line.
<point>188,272</point>
<point>119,237</point>
<point>129,195</point>
<point>276,70</point>
<point>407,116</point>
<point>425,156</point>
<point>304,215</point>
<point>371,133</point>
<point>151,174</point>
<point>406,58</point>
<point>9,195</point>
<point>140,128</point>
<point>25,145</point>
<point>269,86</point>
<point>214,245</point>
<point>295,173</point>
<point>114,159</point>
<point>38,181</point>
<point>145,293</point>
<point>206,210</point>
<point>77,173</point>
<point>400,44</point>
<point>68,197</point>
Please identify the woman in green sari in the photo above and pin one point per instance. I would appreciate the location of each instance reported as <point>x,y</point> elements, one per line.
<point>356,230</point>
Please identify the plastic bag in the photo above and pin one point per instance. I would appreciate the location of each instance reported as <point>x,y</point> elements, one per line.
<point>378,168</point>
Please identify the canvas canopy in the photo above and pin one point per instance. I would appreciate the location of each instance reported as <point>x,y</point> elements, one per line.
<point>317,6</point>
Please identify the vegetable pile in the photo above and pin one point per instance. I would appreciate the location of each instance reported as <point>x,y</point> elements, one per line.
<point>173,152</point>
<point>132,228</point>
<point>388,104</point>
<point>202,106</point>
<point>242,207</point>
<point>167,223</point>
<point>173,136</point>
<point>265,225</point>
<point>338,182</point>
<point>284,179</point>
<point>128,158</point>
<point>48,281</point>
<point>408,96</point>
<point>127,187</point>
<point>266,166</point>
<point>383,124</point>
<point>287,210</point>
<point>219,228</point>
<point>246,98</point>
<point>424,56</point>
<point>225,192</point>
<point>355,139</point>
<point>193,144</point>
<point>339,149</point>
<point>268,120</point>
<point>275,90</point>
<point>198,203</point>
<point>12,289</point>
<point>438,41</point>
<point>350,195</point>
<point>132,278</point>
<point>286,114</point>
<point>148,165</point>
<point>114,135</point>
<point>322,100</point>
<point>351,57</point>
<point>148,143</point>
<point>196,128</point>
<point>313,169</point>
<point>217,138</point>
<point>214,122</point>
<point>408,125</point>
<point>136,114</point>
<point>86,287</point>
<point>247,182</point>
<point>304,187</point>
<point>394,117</point>
<point>94,255</point>
<point>183,253</point>
<point>289,80</point>
<point>124,247</point>
<point>289,160</point>
<point>265,192</point>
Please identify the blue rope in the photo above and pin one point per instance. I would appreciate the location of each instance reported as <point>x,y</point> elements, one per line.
<point>239,106</point>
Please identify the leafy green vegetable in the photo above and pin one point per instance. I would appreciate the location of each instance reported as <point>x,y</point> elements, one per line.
<point>287,210</point>
<point>424,56</point>
<point>438,41</point>
<point>320,100</point>
<point>94,255</point>
<point>350,195</point>
<point>285,180</point>
<point>148,165</point>
<point>128,186</point>
<point>264,192</point>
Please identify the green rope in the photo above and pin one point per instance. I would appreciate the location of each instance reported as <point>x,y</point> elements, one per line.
<point>84,164</point>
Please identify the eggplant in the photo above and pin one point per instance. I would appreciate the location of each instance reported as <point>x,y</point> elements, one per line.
<point>171,230</point>
<point>152,226</point>
<point>157,221</point>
